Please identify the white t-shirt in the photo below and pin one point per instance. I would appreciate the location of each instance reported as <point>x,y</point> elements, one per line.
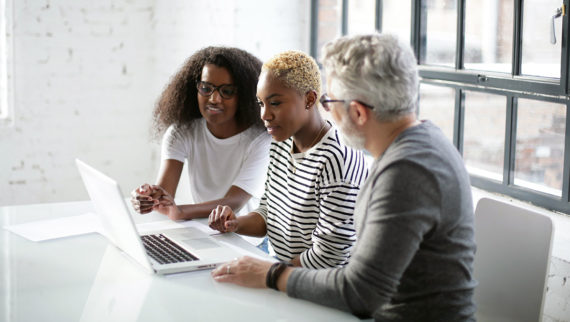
<point>214,165</point>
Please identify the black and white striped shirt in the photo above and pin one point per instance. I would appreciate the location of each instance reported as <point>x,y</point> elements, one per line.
<point>309,200</point>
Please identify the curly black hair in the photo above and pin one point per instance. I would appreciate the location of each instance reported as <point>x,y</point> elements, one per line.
<point>178,103</point>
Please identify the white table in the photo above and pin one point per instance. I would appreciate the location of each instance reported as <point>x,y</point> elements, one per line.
<point>84,278</point>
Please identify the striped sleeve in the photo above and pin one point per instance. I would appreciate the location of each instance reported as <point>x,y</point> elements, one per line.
<point>262,209</point>
<point>334,234</point>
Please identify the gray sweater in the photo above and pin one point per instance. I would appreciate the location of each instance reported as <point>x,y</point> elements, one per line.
<point>413,258</point>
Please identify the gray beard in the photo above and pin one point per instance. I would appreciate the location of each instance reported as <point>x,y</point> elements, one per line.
<point>350,137</point>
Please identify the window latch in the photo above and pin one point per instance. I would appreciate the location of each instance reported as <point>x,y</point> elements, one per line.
<point>557,14</point>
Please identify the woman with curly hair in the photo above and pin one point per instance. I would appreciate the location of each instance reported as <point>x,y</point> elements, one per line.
<point>209,117</point>
<point>312,179</point>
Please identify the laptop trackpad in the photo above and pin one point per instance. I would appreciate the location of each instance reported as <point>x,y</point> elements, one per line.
<point>200,243</point>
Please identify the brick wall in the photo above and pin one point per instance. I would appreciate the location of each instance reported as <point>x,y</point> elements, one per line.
<point>87,73</point>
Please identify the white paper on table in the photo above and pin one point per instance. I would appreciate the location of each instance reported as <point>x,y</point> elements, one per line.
<point>57,228</point>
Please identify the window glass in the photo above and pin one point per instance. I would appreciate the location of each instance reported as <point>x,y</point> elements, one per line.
<point>361,16</point>
<point>396,18</point>
<point>440,33</point>
<point>539,160</point>
<point>437,104</point>
<point>329,22</point>
<point>488,35</point>
<point>539,56</point>
<point>484,134</point>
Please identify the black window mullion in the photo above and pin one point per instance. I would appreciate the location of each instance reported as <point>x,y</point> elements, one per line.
<point>566,170</point>
<point>344,18</point>
<point>459,120</point>
<point>510,141</point>
<point>418,28</point>
<point>314,36</point>
<point>460,36</point>
<point>565,52</point>
<point>378,17</point>
<point>517,37</point>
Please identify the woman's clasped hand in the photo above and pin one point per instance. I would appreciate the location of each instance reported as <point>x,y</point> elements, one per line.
<point>147,198</point>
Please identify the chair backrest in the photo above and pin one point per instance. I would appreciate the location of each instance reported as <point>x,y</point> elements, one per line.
<point>511,262</point>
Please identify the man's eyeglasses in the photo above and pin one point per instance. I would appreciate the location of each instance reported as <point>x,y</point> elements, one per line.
<point>226,91</point>
<point>326,100</point>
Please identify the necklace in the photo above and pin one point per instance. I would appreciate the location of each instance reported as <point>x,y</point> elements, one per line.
<point>318,135</point>
<point>293,169</point>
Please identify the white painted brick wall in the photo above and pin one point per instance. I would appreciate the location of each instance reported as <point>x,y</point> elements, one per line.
<point>87,74</point>
<point>557,301</point>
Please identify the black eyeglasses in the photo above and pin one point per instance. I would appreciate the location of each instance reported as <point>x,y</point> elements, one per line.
<point>325,102</point>
<point>226,91</point>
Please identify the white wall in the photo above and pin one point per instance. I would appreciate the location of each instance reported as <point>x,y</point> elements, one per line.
<point>87,73</point>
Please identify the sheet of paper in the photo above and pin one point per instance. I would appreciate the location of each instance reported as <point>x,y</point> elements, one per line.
<point>57,228</point>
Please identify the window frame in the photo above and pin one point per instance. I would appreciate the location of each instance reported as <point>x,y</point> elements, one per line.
<point>513,86</point>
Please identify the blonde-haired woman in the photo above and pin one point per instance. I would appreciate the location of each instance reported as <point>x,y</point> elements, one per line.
<point>312,179</point>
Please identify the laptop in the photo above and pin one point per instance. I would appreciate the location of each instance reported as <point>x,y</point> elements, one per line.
<point>162,252</point>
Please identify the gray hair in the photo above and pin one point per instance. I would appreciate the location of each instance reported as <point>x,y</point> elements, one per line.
<point>376,69</point>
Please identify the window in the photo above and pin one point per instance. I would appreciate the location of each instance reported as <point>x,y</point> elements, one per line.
<point>439,33</point>
<point>5,60</point>
<point>494,77</point>
<point>398,22</point>
<point>329,24</point>
<point>361,17</point>
<point>539,158</point>
<point>540,56</point>
<point>488,35</point>
<point>437,103</point>
<point>484,134</point>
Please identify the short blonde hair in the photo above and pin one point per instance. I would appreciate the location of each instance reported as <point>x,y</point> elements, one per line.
<point>297,70</point>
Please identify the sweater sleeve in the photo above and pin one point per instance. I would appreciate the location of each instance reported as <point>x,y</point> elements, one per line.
<point>402,208</point>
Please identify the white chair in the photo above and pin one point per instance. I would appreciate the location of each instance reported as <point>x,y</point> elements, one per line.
<point>511,262</point>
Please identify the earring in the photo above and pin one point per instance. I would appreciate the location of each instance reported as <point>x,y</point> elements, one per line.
<point>307,107</point>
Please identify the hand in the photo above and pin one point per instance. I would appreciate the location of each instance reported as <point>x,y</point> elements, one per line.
<point>246,271</point>
<point>165,204</point>
<point>142,199</point>
<point>223,219</point>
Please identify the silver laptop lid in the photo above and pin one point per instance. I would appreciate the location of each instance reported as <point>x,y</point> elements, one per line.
<point>116,221</point>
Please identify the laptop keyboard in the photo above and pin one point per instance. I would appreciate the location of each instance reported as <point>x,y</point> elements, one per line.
<point>165,251</point>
